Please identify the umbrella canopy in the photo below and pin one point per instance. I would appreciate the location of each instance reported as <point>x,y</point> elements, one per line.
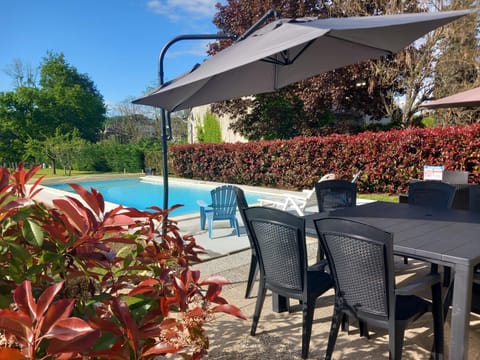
<point>289,50</point>
<point>462,99</point>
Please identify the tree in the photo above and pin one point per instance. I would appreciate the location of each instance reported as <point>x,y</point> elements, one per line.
<point>70,99</point>
<point>370,88</point>
<point>63,100</point>
<point>457,65</point>
<point>337,90</point>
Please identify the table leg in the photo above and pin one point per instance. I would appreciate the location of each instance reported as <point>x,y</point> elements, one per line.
<point>461,303</point>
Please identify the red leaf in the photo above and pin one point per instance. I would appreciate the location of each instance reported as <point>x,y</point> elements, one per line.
<point>75,218</point>
<point>67,329</point>
<point>79,344</point>
<point>17,323</point>
<point>24,299</point>
<point>162,348</point>
<point>215,280</point>
<point>121,311</point>
<point>145,286</point>
<point>95,202</point>
<point>118,220</point>
<point>47,297</point>
<point>229,309</point>
<point>57,311</point>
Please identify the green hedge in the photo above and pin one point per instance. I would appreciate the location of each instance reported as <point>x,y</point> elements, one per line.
<point>388,159</point>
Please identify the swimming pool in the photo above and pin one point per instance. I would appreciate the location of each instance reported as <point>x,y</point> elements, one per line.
<point>141,194</point>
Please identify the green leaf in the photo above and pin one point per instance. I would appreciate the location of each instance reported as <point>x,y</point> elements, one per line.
<point>33,233</point>
<point>20,253</point>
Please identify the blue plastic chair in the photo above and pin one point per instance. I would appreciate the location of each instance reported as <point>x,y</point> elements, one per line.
<point>223,207</point>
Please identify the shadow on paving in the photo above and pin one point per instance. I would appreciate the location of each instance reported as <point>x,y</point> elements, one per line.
<point>279,334</point>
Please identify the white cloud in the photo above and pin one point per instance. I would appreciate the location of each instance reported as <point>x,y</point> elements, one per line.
<point>196,49</point>
<point>181,9</point>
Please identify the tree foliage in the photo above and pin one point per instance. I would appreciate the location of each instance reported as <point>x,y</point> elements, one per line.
<point>62,100</point>
<point>209,130</point>
<point>369,88</point>
<point>71,100</point>
<point>457,66</point>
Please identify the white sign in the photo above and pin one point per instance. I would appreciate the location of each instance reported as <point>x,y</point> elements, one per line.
<point>433,172</point>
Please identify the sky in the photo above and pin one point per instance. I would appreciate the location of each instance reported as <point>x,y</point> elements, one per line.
<point>115,42</point>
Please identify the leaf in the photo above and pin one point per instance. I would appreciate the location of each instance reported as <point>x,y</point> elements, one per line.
<point>162,348</point>
<point>215,280</point>
<point>75,218</point>
<point>19,252</point>
<point>57,311</point>
<point>24,299</point>
<point>121,311</point>
<point>11,354</point>
<point>229,309</point>
<point>33,233</point>
<point>67,329</point>
<point>46,299</point>
<point>77,345</point>
<point>16,323</point>
<point>96,203</point>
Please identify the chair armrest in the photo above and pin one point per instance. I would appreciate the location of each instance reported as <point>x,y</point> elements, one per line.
<point>418,284</point>
<point>300,197</point>
<point>202,203</point>
<point>277,202</point>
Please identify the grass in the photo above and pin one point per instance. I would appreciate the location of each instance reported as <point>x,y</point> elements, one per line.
<point>380,197</point>
<point>48,173</point>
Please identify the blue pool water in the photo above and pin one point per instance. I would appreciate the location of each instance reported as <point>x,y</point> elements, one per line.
<point>141,195</point>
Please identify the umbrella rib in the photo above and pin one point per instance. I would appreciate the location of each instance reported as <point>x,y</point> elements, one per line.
<point>286,60</point>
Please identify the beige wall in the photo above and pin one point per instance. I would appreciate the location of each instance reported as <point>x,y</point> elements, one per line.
<point>196,116</point>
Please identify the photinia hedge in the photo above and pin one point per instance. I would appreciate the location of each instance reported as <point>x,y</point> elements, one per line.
<point>77,281</point>
<point>388,160</point>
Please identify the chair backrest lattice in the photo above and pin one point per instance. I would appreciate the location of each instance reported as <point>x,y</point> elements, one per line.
<point>279,239</point>
<point>335,194</point>
<point>361,261</point>
<point>435,194</point>
<point>474,198</point>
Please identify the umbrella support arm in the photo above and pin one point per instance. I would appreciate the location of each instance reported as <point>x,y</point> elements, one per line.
<point>166,133</point>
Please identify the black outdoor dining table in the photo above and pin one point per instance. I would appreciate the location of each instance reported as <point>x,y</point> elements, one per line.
<point>448,237</point>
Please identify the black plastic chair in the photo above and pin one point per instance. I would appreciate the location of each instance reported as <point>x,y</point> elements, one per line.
<point>279,240</point>
<point>361,262</point>
<point>335,194</point>
<point>435,194</point>
<point>252,273</point>
<point>474,198</point>
<point>474,205</point>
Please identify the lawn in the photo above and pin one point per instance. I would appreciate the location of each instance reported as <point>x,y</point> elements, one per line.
<point>380,197</point>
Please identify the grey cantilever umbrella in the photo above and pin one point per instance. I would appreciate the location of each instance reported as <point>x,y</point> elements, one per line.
<point>468,98</point>
<point>289,50</point>
<point>286,51</point>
